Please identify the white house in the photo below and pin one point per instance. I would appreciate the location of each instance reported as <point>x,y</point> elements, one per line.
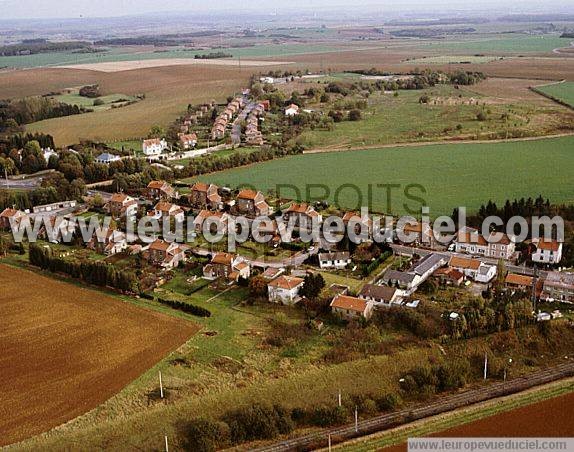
<point>547,252</point>
<point>106,158</point>
<point>164,209</point>
<point>154,146</point>
<point>285,289</point>
<point>496,245</point>
<point>334,260</point>
<point>47,153</point>
<point>486,273</point>
<point>267,80</point>
<point>292,110</point>
<point>187,141</point>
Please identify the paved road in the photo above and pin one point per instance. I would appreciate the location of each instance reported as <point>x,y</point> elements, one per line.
<point>319,439</point>
<point>236,128</point>
<point>21,184</point>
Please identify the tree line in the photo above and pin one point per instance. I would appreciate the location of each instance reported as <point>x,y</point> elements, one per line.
<point>96,273</point>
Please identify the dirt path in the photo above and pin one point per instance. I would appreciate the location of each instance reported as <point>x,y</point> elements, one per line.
<point>432,143</point>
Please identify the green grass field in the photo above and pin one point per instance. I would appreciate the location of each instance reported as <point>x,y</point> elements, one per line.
<point>505,43</point>
<point>561,91</point>
<point>389,119</point>
<point>108,101</point>
<point>452,174</point>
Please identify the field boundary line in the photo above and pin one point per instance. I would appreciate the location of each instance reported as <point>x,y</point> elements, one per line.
<point>439,142</point>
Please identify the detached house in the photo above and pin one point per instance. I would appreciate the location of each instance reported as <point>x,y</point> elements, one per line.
<point>302,215</point>
<point>9,215</point>
<point>166,255</point>
<point>285,289</point>
<point>158,189</point>
<point>154,146</point>
<point>352,308</point>
<point>220,220</point>
<point>469,241</point>
<point>417,234</point>
<point>292,110</point>
<point>362,226</point>
<point>251,204</point>
<point>227,266</point>
<point>121,205</point>
<point>107,158</point>
<point>547,252</point>
<point>474,269</point>
<point>108,242</point>
<point>334,260</point>
<point>205,196</point>
<point>164,210</point>
<point>187,141</point>
<point>379,295</point>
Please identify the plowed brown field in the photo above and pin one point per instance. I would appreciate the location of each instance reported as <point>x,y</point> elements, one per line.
<point>550,418</point>
<point>65,350</point>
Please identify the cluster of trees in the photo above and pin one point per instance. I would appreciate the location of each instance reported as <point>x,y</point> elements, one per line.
<point>506,311</point>
<point>313,285</point>
<point>213,163</point>
<point>186,307</point>
<point>213,56</point>
<point>33,46</point>
<point>427,380</point>
<point>425,322</point>
<point>430,32</point>
<point>17,112</point>
<point>262,421</point>
<point>97,273</point>
<point>90,91</point>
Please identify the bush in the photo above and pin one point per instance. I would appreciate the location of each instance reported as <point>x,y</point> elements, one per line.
<point>98,102</point>
<point>424,99</point>
<point>355,115</point>
<point>481,116</point>
<point>204,435</point>
<point>327,416</point>
<point>257,422</point>
<point>186,307</point>
<point>389,402</point>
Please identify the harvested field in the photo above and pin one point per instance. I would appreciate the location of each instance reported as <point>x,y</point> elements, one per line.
<point>66,350</point>
<point>118,66</point>
<point>510,89</point>
<point>168,91</point>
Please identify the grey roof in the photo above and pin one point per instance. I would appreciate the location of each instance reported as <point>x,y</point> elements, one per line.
<point>338,256</point>
<point>428,262</point>
<point>106,156</point>
<point>377,292</point>
<point>562,279</point>
<point>394,275</point>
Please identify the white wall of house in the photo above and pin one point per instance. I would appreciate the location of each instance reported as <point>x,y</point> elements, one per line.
<point>547,256</point>
<point>283,296</point>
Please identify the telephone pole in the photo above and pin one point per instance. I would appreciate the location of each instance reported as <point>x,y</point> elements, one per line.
<point>534,284</point>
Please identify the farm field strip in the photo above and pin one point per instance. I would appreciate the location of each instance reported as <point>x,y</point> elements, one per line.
<point>498,171</point>
<point>68,349</point>
<point>561,91</point>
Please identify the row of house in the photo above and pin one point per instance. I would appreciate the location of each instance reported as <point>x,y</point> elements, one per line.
<point>253,135</point>
<point>221,122</point>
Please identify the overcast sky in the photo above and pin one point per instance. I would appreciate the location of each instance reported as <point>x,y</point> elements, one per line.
<point>21,9</point>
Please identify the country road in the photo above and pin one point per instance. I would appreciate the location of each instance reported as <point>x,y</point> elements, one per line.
<point>319,439</point>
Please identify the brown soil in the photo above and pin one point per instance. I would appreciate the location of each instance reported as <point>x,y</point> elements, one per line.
<point>66,350</point>
<point>550,418</point>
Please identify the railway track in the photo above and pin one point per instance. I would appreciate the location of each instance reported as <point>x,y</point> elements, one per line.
<point>366,427</point>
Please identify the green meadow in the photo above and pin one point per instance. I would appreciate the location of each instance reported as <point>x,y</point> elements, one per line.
<point>561,91</point>
<point>444,175</point>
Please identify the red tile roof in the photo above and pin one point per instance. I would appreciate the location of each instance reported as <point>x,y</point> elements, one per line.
<point>349,303</point>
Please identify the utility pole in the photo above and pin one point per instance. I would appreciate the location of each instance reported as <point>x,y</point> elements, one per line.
<point>6,176</point>
<point>166,445</point>
<point>356,420</point>
<point>534,283</point>
<point>339,397</point>
<point>329,442</point>
<point>161,389</point>
<point>485,365</point>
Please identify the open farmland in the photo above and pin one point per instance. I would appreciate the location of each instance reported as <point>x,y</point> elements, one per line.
<point>504,44</point>
<point>471,174</point>
<point>66,350</point>
<point>168,90</point>
<point>564,92</point>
